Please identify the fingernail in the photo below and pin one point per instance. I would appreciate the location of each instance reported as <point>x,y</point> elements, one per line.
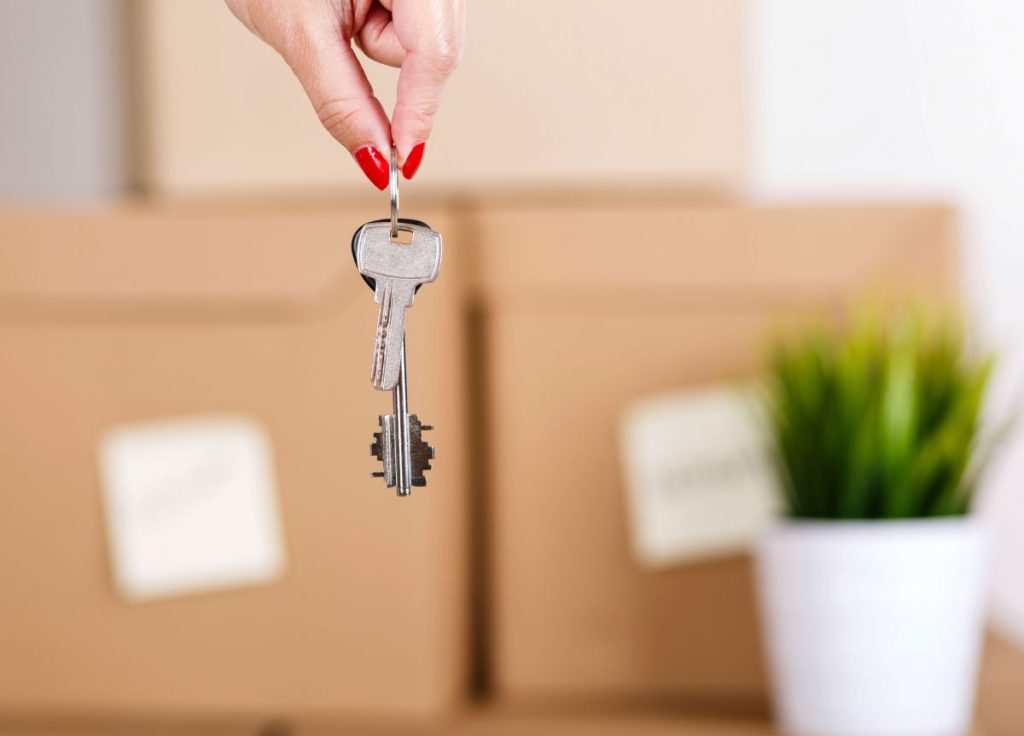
<point>375,166</point>
<point>413,161</point>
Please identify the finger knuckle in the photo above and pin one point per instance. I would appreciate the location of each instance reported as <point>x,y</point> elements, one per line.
<point>339,116</point>
<point>446,57</point>
<point>419,114</point>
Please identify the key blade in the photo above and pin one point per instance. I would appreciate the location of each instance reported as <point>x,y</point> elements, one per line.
<point>393,299</point>
<point>403,455</point>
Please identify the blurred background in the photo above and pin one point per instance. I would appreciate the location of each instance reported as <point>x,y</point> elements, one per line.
<point>189,537</point>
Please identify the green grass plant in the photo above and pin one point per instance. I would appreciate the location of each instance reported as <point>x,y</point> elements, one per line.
<point>883,421</point>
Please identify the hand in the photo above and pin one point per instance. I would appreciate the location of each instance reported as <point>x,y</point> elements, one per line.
<point>421,37</point>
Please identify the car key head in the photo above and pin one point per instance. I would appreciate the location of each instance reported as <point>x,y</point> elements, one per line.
<point>378,255</point>
<point>370,280</point>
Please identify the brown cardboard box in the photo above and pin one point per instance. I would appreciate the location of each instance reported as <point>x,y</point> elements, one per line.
<point>632,299</point>
<point>137,314</point>
<point>220,112</point>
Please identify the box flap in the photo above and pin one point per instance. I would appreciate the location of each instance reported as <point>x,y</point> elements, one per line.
<point>176,258</point>
<point>699,252</point>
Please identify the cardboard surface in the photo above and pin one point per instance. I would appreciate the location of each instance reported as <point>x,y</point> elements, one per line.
<point>477,722</point>
<point>140,314</point>
<point>530,105</point>
<point>1000,709</point>
<point>635,299</point>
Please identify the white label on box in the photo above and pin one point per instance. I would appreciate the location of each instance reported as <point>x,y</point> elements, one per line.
<point>698,475</point>
<point>191,506</point>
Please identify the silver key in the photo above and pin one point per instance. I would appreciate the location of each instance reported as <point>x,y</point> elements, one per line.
<point>394,271</point>
<point>399,444</point>
<point>397,270</point>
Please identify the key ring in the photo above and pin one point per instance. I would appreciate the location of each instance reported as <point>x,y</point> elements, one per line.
<point>393,187</point>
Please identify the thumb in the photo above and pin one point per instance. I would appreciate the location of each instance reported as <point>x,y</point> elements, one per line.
<point>420,82</point>
<point>336,84</point>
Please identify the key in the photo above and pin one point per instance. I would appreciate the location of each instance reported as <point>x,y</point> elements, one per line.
<point>397,270</point>
<point>399,444</point>
<point>421,453</point>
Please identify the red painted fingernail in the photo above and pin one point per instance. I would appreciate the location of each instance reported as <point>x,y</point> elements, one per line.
<point>376,167</point>
<point>413,161</point>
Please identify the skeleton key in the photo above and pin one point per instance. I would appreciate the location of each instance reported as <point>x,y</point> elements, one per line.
<point>397,271</point>
<point>399,445</point>
<point>385,449</point>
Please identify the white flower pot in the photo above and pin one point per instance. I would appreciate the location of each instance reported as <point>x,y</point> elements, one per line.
<point>873,628</point>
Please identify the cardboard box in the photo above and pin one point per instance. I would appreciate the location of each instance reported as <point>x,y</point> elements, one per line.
<point>531,104</point>
<point>140,314</point>
<point>633,299</point>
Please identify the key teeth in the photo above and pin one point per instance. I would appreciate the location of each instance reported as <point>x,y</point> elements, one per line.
<point>421,451</point>
<point>380,448</point>
<point>377,446</point>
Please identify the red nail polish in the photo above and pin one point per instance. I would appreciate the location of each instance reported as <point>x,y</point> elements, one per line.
<point>376,167</point>
<point>413,161</point>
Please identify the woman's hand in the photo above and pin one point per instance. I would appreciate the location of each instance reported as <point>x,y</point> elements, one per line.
<point>422,37</point>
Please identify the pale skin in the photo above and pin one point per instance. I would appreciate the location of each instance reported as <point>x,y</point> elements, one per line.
<point>423,38</point>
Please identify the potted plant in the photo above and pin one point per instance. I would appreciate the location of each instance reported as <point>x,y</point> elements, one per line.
<point>872,588</point>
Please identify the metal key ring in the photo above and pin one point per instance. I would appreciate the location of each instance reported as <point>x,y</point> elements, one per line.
<point>393,187</point>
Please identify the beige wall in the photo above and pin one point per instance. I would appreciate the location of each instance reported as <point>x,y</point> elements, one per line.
<point>539,99</point>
